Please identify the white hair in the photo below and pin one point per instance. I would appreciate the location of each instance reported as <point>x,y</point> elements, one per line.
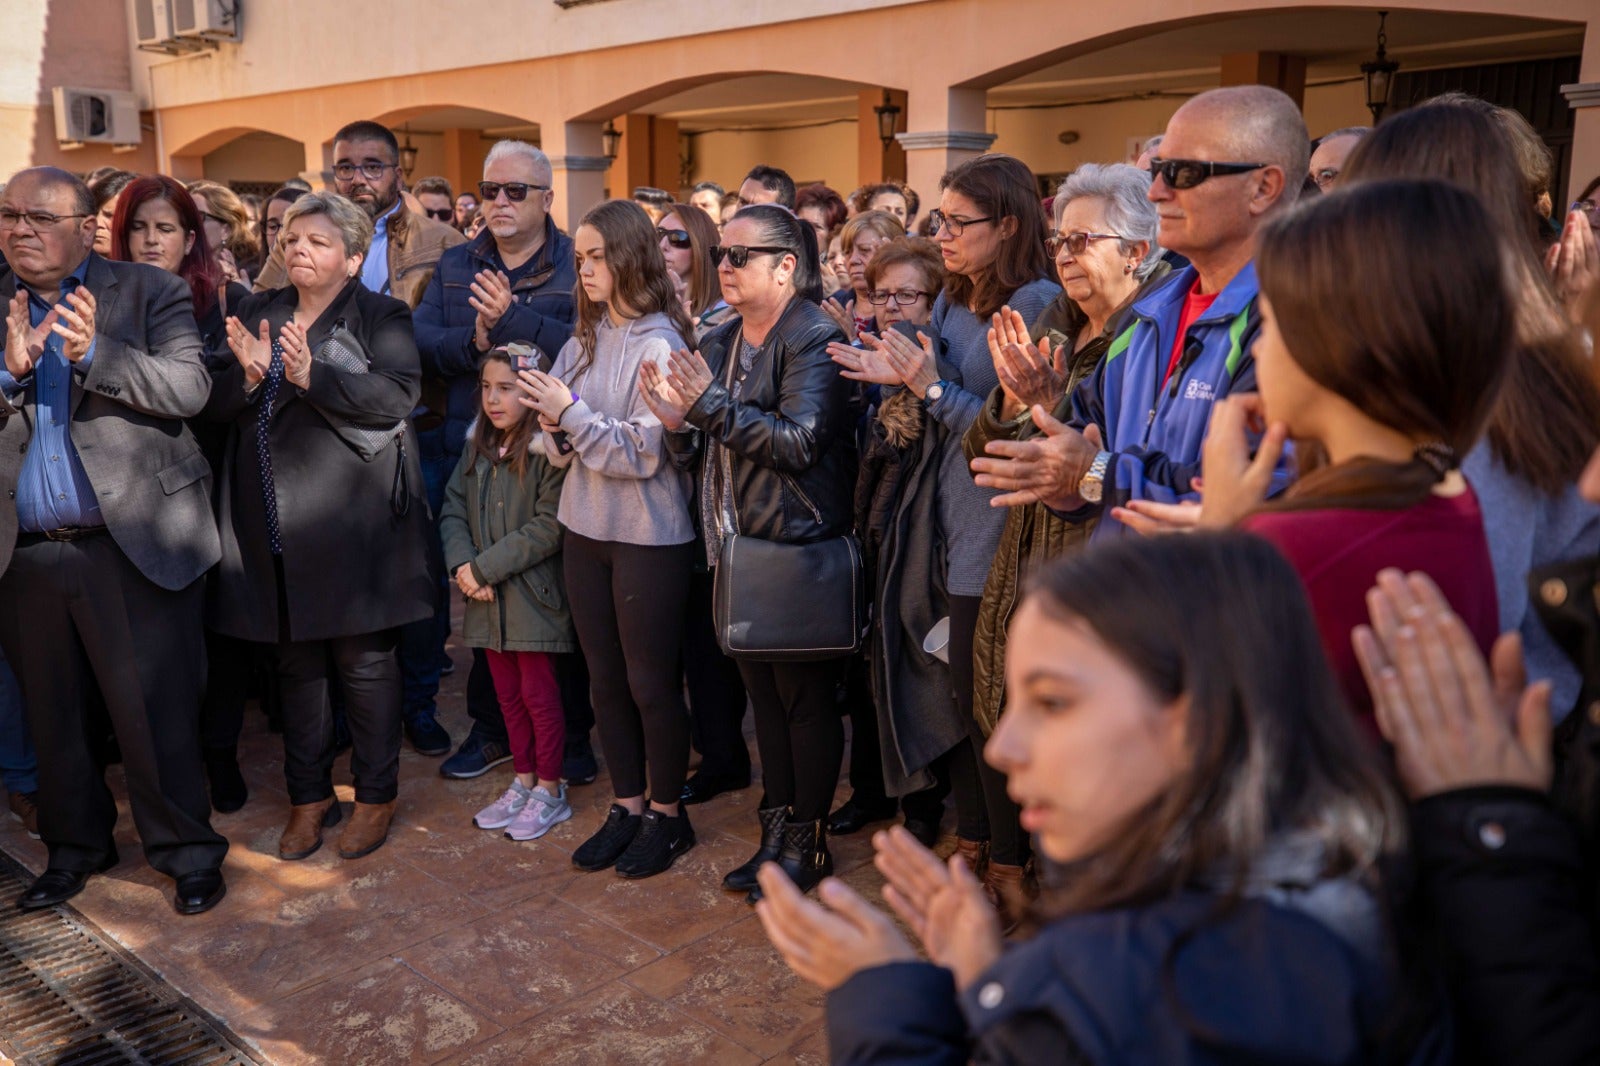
<point>514,149</point>
<point>1129,211</point>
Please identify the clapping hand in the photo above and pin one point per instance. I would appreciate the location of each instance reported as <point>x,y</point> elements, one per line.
<point>25,341</point>
<point>1455,721</point>
<point>547,395</point>
<point>1237,482</point>
<point>296,354</point>
<point>671,396</point>
<point>1573,264</point>
<point>1029,374</point>
<point>866,363</point>
<point>253,351</point>
<point>944,904</point>
<point>74,321</point>
<point>491,298</point>
<point>845,316</point>
<point>827,945</point>
<point>1047,469</point>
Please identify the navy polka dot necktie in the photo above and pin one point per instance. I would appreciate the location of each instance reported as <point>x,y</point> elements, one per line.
<point>269,491</point>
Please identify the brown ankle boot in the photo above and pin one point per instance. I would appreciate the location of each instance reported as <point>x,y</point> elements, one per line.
<point>303,834</point>
<point>1011,888</point>
<point>975,853</point>
<point>368,829</point>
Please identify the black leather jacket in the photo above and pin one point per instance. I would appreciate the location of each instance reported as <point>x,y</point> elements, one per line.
<point>791,434</point>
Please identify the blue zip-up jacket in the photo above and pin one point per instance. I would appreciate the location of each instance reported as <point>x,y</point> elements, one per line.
<point>1155,439</point>
<point>542,313</point>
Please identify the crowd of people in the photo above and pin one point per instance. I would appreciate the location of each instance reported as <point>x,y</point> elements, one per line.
<point>1218,536</point>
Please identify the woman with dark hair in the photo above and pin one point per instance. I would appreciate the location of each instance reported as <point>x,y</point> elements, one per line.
<point>771,421</point>
<point>825,211</point>
<point>888,196</point>
<point>991,232</point>
<point>106,190</point>
<point>1217,839</point>
<point>630,538</point>
<point>687,237</point>
<point>157,222</point>
<point>1383,382</point>
<point>272,215</point>
<point>1545,421</point>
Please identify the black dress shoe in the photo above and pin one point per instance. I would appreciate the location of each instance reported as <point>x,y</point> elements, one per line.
<point>199,891</point>
<point>57,886</point>
<point>703,787</point>
<point>926,833</point>
<point>853,817</point>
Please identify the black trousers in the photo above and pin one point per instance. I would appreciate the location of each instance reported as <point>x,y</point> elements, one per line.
<point>80,623</point>
<point>973,821</point>
<point>798,732</point>
<point>717,698</point>
<point>483,706</point>
<point>229,664</point>
<point>866,754</point>
<point>369,675</point>
<point>628,606</point>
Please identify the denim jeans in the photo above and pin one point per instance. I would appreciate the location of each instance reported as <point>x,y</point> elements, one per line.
<point>19,768</point>
<point>422,642</point>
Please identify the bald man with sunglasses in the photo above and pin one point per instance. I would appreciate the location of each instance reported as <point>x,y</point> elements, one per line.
<point>1230,160</point>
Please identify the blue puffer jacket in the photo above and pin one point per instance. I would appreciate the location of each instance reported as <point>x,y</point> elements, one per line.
<point>541,313</point>
<point>1155,439</point>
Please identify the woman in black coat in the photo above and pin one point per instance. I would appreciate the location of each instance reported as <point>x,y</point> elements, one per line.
<point>323,517</point>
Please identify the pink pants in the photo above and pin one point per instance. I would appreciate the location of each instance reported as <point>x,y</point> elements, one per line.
<point>530,702</point>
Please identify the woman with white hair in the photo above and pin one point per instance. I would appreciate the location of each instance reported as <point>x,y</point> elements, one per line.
<point>1105,253</point>
<point>322,512</point>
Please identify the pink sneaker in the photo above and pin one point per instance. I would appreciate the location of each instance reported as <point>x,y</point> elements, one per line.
<point>504,810</point>
<point>541,814</point>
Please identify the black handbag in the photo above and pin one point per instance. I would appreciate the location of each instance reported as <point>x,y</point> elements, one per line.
<point>789,602</point>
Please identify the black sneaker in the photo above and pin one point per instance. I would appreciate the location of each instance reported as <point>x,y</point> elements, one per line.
<point>474,758</point>
<point>426,735</point>
<point>609,841</point>
<point>661,840</point>
<point>577,761</point>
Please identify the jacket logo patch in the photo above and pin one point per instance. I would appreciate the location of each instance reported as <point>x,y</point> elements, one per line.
<point>1199,390</point>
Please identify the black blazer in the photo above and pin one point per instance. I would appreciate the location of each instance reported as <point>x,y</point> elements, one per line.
<point>354,538</point>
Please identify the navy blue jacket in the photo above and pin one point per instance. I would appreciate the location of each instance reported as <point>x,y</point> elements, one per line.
<point>543,314</point>
<point>1299,978</point>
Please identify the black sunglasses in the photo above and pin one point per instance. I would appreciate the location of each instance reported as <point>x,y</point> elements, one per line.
<point>678,238</point>
<point>1187,173</point>
<point>443,214</point>
<point>739,254</point>
<point>516,191</point>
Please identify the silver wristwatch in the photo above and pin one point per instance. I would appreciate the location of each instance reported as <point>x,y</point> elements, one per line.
<point>1093,485</point>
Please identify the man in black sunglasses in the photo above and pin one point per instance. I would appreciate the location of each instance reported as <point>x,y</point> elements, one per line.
<point>436,198</point>
<point>1230,160</point>
<point>405,245</point>
<point>512,282</point>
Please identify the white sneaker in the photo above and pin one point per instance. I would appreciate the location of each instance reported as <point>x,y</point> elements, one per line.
<point>504,810</point>
<point>542,813</point>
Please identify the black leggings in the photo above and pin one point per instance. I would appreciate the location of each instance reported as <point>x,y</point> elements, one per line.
<point>628,606</point>
<point>716,690</point>
<point>798,732</point>
<point>973,816</point>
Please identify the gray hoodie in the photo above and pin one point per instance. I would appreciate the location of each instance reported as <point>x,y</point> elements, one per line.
<point>621,486</point>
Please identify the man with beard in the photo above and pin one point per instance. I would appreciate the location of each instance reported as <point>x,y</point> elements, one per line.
<point>405,249</point>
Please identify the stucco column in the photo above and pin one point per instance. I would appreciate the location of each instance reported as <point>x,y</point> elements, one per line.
<point>319,165</point>
<point>578,167</point>
<point>945,127</point>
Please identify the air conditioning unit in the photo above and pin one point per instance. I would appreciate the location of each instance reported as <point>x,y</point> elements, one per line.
<point>152,24</point>
<point>211,20</point>
<point>95,116</point>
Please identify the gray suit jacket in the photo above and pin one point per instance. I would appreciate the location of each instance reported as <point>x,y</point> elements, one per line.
<point>146,377</point>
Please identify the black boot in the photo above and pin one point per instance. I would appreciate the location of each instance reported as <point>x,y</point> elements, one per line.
<point>804,857</point>
<point>228,790</point>
<point>773,819</point>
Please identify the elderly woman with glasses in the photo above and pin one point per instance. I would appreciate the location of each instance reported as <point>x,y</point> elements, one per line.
<point>771,421</point>
<point>323,518</point>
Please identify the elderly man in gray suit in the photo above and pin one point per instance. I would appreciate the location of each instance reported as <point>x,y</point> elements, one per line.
<point>105,545</point>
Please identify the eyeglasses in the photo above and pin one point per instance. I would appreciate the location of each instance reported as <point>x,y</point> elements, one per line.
<point>1325,177</point>
<point>1590,209</point>
<point>516,191</point>
<point>938,220</point>
<point>37,220</point>
<point>370,171</point>
<point>739,254</point>
<point>1187,173</point>
<point>677,238</point>
<point>443,214</point>
<point>901,297</point>
<point>271,227</point>
<point>214,218</point>
<point>1077,243</point>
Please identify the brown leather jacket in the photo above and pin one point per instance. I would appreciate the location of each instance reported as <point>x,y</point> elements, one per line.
<point>415,245</point>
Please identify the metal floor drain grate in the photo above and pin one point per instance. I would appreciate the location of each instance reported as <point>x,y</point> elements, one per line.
<point>70,997</point>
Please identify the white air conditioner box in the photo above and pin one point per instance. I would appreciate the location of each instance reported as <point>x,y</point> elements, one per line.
<point>152,23</point>
<point>95,116</point>
<point>212,20</point>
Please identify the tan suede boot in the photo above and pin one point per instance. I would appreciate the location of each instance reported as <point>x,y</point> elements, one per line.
<point>368,829</point>
<point>1012,889</point>
<point>975,853</point>
<point>303,835</point>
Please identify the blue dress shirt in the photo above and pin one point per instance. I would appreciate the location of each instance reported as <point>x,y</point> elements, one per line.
<point>53,491</point>
<point>375,267</point>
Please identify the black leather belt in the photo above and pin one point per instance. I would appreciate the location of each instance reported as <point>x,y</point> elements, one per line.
<point>65,533</point>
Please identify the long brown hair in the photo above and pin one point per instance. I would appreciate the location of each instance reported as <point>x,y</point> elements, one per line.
<point>639,276</point>
<point>1272,748</point>
<point>1419,343</point>
<point>1001,187</point>
<point>705,290</point>
<point>488,439</point>
<point>1546,422</point>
